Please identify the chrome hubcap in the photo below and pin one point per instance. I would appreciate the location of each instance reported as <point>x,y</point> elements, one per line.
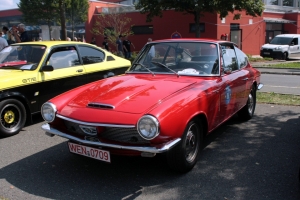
<point>250,103</point>
<point>191,143</point>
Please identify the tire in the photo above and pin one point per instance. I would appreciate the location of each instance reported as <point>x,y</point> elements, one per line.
<point>12,117</point>
<point>284,56</point>
<point>183,157</point>
<point>247,112</point>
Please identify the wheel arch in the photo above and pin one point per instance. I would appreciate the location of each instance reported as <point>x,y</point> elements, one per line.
<point>201,117</point>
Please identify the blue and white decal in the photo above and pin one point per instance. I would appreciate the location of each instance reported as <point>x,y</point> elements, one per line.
<point>227,94</point>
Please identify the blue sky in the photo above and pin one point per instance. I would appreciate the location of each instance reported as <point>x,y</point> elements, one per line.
<point>9,4</point>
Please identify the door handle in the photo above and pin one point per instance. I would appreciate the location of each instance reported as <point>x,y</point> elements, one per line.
<point>79,70</point>
<point>245,79</point>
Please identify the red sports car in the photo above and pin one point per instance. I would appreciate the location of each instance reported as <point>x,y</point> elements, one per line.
<point>176,92</point>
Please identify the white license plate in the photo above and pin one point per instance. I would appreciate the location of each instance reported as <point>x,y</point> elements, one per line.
<point>89,152</point>
<point>267,53</point>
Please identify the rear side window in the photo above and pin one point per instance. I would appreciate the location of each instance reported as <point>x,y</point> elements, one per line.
<point>90,55</point>
<point>242,58</point>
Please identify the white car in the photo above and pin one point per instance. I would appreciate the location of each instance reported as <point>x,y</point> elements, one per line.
<point>283,47</point>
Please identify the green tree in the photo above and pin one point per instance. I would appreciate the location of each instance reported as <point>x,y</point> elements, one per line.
<point>77,12</point>
<point>38,12</point>
<point>112,24</point>
<point>199,7</point>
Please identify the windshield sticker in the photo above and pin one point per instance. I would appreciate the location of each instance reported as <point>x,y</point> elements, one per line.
<point>227,95</point>
<point>188,71</point>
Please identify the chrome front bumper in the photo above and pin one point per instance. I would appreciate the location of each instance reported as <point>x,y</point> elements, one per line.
<point>51,132</point>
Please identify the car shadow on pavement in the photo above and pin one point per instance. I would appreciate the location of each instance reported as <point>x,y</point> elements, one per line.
<point>249,160</point>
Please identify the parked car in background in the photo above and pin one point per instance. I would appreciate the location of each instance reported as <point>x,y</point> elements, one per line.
<point>32,73</point>
<point>176,92</point>
<point>284,47</point>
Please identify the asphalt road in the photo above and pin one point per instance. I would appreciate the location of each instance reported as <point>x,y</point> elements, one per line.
<point>258,159</point>
<point>284,84</point>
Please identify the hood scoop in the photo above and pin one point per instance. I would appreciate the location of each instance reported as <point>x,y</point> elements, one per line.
<point>100,105</point>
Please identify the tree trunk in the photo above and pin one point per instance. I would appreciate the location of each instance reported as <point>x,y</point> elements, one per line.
<point>63,20</point>
<point>197,23</point>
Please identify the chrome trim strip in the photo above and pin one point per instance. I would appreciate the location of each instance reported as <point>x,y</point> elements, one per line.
<point>260,86</point>
<point>101,104</point>
<point>94,124</point>
<point>166,147</point>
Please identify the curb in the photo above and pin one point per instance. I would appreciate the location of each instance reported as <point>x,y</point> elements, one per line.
<point>281,73</point>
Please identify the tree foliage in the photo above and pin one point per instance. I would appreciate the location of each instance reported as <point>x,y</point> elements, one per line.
<point>200,7</point>
<point>77,12</point>
<point>111,25</point>
<point>38,11</point>
<point>50,11</point>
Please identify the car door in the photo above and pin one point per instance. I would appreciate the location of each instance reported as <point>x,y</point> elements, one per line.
<point>68,72</point>
<point>244,77</point>
<point>97,65</point>
<point>294,48</point>
<point>231,97</point>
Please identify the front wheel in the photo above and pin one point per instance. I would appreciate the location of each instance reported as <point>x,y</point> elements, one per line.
<point>12,117</point>
<point>183,157</point>
<point>284,56</point>
<point>247,111</point>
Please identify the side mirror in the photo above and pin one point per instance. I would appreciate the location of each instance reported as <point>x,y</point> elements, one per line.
<point>226,70</point>
<point>47,68</point>
<point>292,44</point>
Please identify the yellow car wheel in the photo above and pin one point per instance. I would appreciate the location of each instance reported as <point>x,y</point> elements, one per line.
<point>12,117</point>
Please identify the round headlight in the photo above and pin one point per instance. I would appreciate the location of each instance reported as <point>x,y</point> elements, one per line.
<point>48,111</point>
<point>148,127</point>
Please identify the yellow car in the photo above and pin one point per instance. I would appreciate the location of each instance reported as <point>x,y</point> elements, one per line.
<point>33,72</point>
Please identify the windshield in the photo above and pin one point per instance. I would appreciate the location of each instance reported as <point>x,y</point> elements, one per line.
<point>180,58</point>
<point>281,40</point>
<point>25,57</point>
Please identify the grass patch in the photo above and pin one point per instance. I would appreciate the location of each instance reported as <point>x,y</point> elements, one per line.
<point>274,98</point>
<point>293,65</point>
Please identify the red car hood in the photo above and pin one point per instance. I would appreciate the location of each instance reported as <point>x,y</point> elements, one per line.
<point>130,94</point>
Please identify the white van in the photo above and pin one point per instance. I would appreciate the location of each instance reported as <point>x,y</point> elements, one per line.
<point>283,47</point>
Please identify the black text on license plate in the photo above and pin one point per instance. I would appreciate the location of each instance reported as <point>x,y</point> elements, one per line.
<point>89,152</point>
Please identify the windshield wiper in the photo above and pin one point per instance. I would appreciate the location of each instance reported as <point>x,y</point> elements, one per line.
<point>165,66</point>
<point>144,67</point>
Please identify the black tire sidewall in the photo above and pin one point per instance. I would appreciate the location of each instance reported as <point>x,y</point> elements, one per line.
<point>176,156</point>
<point>4,132</point>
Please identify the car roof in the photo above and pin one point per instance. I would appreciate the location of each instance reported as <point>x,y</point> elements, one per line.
<point>191,40</point>
<point>52,43</point>
<point>288,35</point>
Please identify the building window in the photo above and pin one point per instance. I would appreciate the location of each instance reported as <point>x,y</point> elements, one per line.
<point>288,3</point>
<point>234,26</point>
<point>272,2</point>
<point>138,30</point>
<point>193,28</point>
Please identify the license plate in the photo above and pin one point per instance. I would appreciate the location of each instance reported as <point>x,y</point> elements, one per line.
<point>89,152</point>
<point>267,53</point>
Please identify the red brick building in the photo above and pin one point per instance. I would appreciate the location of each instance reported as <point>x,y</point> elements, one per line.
<point>250,33</point>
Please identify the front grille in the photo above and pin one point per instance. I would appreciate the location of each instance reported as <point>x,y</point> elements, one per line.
<point>118,134</point>
<point>127,135</point>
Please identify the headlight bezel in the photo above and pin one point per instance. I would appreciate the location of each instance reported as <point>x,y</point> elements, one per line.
<point>53,109</point>
<point>154,120</point>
